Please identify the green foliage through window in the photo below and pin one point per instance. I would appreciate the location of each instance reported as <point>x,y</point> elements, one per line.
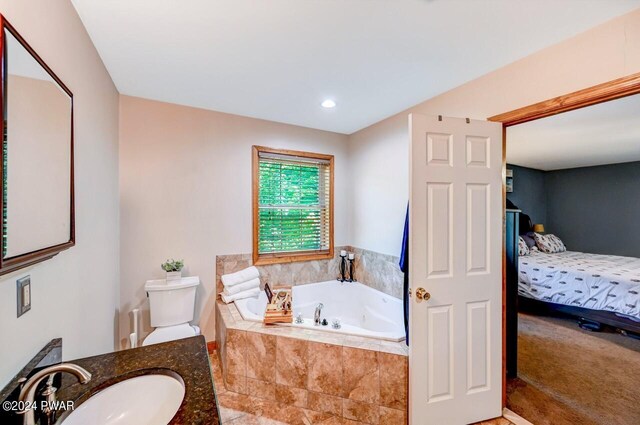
<point>293,204</point>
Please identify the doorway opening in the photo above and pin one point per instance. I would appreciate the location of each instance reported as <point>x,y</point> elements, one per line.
<point>572,266</point>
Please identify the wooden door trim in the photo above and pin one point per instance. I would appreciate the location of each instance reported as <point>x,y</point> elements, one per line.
<point>611,90</point>
<point>615,89</point>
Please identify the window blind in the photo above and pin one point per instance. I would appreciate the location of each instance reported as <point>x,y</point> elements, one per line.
<point>293,204</point>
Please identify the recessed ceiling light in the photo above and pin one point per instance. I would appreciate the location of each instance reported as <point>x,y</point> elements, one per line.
<point>328,104</point>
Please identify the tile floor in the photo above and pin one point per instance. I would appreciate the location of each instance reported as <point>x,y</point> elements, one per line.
<point>240,409</point>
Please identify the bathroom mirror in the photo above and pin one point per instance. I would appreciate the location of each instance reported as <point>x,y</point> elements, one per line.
<point>36,157</point>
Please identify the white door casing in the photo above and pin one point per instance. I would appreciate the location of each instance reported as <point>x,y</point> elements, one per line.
<point>456,215</point>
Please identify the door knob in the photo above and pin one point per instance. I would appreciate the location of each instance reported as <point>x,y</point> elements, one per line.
<point>422,294</point>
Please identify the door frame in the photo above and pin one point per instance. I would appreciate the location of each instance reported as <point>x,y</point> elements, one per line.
<point>611,90</point>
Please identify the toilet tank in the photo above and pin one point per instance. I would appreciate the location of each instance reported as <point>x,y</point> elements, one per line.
<point>172,303</point>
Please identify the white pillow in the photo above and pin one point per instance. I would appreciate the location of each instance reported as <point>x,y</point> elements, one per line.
<point>550,244</point>
<point>523,248</point>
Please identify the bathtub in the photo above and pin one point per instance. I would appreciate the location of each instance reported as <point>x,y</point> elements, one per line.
<point>362,311</point>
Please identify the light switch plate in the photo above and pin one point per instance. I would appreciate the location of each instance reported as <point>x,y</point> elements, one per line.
<point>23,288</point>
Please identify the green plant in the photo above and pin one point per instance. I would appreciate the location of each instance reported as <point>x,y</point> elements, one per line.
<point>172,265</point>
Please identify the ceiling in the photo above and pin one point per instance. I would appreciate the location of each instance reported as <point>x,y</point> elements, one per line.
<point>279,59</point>
<point>607,133</point>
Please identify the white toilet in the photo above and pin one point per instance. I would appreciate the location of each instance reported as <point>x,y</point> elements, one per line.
<point>171,305</point>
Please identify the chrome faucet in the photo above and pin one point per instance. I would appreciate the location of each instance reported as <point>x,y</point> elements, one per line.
<point>316,316</point>
<point>28,391</point>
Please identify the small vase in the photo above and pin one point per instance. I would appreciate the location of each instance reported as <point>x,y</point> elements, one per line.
<point>174,276</point>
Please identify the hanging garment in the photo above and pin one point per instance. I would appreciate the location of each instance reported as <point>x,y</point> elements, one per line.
<point>404,267</point>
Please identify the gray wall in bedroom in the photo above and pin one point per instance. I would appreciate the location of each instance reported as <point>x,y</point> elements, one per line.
<point>596,209</point>
<point>529,192</point>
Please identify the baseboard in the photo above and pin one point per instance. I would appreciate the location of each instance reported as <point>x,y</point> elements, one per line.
<point>211,346</point>
<point>514,417</point>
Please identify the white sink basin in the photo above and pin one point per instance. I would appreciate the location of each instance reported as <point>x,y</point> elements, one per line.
<point>147,399</point>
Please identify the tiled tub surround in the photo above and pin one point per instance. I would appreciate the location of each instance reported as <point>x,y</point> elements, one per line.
<point>356,378</point>
<point>380,271</point>
<point>243,409</point>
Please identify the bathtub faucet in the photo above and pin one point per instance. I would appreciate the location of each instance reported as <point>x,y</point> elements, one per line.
<point>316,316</point>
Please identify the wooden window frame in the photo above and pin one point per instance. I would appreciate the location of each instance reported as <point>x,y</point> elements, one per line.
<point>287,257</point>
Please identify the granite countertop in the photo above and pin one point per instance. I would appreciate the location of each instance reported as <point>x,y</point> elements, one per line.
<point>186,357</point>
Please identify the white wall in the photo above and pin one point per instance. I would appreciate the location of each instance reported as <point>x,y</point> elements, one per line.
<point>75,294</point>
<point>378,163</point>
<point>379,153</point>
<point>185,187</point>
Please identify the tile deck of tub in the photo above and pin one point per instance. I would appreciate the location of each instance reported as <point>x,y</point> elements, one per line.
<point>233,320</point>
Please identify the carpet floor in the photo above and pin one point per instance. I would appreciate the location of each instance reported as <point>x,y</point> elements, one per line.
<point>568,376</point>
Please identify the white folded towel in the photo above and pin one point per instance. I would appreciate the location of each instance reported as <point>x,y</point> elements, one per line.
<point>253,283</point>
<point>251,293</point>
<point>240,277</point>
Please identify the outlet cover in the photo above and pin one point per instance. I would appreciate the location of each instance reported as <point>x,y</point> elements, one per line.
<point>23,289</point>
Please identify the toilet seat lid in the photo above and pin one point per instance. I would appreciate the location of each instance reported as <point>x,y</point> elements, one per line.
<point>170,333</point>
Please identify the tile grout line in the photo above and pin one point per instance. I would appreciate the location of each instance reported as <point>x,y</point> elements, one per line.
<point>379,385</point>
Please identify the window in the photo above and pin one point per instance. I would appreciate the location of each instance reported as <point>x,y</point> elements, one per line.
<point>292,206</point>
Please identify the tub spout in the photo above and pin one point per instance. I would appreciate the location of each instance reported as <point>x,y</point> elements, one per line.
<point>316,316</point>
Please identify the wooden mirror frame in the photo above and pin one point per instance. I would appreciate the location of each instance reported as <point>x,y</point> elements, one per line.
<point>11,264</point>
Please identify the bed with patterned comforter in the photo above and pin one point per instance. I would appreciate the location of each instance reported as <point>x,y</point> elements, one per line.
<point>598,282</point>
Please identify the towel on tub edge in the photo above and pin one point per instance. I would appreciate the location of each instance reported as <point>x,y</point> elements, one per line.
<point>253,283</point>
<point>242,276</point>
<point>251,293</point>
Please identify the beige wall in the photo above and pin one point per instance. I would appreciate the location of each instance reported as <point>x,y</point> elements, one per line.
<point>185,172</point>
<point>379,160</point>
<point>379,152</point>
<point>185,188</point>
<point>75,294</point>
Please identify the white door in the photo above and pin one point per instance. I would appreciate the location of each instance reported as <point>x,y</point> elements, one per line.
<point>456,256</point>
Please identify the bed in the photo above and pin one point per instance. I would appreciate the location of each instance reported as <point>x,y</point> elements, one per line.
<point>599,288</point>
